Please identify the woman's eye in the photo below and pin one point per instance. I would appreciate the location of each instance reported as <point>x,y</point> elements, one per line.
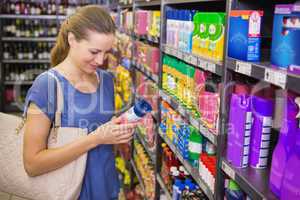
<point>94,52</point>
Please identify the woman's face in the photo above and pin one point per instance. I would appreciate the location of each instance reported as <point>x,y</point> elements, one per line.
<point>88,54</point>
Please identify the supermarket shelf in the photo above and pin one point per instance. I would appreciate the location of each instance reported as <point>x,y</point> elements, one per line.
<point>193,171</point>
<point>25,61</point>
<point>28,39</point>
<point>146,3</point>
<point>148,38</point>
<point>264,71</point>
<point>252,181</point>
<point>188,1</point>
<point>13,108</point>
<point>138,175</point>
<point>146,72</point>
<point>125,6</point>
<point>18,82</point>
<point>212,137</point>
<point>61,17</point>
<point>197,61</point>
<point>163,186</point>
<point>145,145</point>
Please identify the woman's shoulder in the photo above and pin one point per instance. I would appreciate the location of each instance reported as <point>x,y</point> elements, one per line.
<point>44,79</point>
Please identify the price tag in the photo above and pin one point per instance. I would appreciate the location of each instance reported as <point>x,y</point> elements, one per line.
<point>228,170</point>
<point>187,58</point>
<point>211,67</point>
<point>167,50</point>
<point>194,122</point>
<point>180,55</point>
<point>203,64</point>
<point>243,68</point>
<point>194,60</point>
<point>174,52</point>
<point>155,78</point>
<point>276,77</point>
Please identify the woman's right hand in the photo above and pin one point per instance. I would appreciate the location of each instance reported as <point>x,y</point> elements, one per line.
<point>113,132</point>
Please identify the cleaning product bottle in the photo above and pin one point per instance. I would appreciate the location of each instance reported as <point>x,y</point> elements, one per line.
<point>233,191</point>
<point>195,36</point>
<point>176,186</point>
<point>136,112</point>
<point>262,109</point>
<point>281,153</point>
<point>290,187</point>
<point>239,131</point>
<point>195,147</point>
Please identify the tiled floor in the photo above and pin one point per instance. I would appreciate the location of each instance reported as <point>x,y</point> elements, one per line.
<point>6,196</point>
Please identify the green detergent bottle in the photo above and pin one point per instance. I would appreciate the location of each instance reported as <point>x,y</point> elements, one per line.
<point>195,146</point>
<point>216,35</point>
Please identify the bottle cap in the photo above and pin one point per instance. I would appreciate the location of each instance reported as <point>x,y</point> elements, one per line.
<point>142,107</point>
<point>233,185</point>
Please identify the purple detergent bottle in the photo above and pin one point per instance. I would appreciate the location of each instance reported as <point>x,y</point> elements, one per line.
<point>281,154</point>
<point>239,130</point>
<point>262,112</point>
<point>290,188</point>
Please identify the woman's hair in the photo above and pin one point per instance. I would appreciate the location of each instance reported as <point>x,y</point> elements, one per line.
<point>92,17</point>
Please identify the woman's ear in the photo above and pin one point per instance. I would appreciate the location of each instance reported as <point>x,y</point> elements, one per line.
<point>71,39</point>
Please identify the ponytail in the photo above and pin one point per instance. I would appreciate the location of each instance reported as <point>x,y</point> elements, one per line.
<point>61,48</point>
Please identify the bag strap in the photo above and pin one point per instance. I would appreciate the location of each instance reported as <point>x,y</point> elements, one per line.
<point>59,101</point>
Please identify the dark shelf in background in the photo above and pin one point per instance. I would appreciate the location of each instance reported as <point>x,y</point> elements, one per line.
<point>188,1</point>
<point>54,17</point>
<point>125,6</point>
<point>255,182</point>
<point>150,39</point>
<point>34,61</point>
<point>148,3</point>
<point>28,39</point>
<point>18,82</point>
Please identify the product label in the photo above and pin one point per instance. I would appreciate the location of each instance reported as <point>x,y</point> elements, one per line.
<point>130,116</point>
<point>254,24</point>
<point>195,147</point>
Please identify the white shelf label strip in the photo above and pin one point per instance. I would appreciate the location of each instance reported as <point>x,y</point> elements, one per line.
<point>275,77</point>
<point>243,68</point>
<point>228,170</point>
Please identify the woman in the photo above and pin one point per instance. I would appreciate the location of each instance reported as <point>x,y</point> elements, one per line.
<point>81,47</point>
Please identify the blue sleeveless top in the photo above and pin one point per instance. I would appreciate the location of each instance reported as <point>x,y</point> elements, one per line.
<point>84,110</point>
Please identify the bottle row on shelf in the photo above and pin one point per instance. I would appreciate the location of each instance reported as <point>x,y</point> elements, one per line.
<point>48,7</point>
<point>29,28</point>
<point>147,22</point>
<point>23,72</point>
<point>39,50</point>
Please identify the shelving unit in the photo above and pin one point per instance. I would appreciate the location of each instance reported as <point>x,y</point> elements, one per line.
<point>212,137</point>
<point>264,71</point>
<point>145,145</point>
<point>11,16</point>
<point>28,39</point>
<point>196,61</point>
<point>138,175</point>
<point>192,171</point>
<point>254,182</point>
<point>163,187</point>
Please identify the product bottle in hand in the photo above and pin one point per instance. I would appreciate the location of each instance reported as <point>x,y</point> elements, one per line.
<point>136,112</point>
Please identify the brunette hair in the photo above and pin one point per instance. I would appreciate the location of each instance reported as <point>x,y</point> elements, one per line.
<point>91,17</point>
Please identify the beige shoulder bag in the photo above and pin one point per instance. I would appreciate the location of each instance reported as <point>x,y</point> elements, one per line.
<point>61,184</point>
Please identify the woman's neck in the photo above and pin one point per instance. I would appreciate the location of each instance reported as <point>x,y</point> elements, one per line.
<point>70,69</point>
